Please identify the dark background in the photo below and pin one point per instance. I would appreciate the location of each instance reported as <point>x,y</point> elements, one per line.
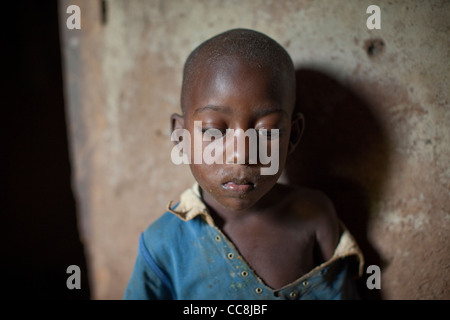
<point>39,225</point>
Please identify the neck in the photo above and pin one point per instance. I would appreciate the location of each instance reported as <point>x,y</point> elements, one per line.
<point>223,215</point>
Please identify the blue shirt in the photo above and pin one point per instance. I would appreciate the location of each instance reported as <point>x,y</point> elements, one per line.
<point>184,256</point>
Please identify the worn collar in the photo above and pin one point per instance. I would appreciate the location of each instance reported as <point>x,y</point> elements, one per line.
<point>191,205</point>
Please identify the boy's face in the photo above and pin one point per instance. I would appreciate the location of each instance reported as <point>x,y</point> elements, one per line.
<point>230,94</point>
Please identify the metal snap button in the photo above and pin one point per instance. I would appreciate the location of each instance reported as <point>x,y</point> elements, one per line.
<point>258,290</point>
<point>230,255</point>
<point>244,273</point>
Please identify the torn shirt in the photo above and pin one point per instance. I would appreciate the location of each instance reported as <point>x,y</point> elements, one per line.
<point>185,256</point>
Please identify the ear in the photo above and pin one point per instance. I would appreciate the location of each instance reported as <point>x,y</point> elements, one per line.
<point>176,122</point>
<point>297,128</point>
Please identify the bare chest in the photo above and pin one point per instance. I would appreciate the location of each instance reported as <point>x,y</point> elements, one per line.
<point>277,255</point>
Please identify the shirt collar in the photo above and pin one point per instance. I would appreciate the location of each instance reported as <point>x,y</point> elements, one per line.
<point>348,246</point>
<point>191,205</point>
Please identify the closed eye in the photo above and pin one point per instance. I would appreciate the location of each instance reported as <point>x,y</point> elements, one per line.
<point>213,132</point>
<point>270,134</point>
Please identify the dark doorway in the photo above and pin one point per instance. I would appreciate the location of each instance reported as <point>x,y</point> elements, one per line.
<point>39,225</point>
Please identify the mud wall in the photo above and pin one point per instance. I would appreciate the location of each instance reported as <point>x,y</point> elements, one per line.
<point>377,113</point>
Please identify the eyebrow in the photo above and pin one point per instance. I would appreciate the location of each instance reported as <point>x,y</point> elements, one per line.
<point>228,110</point>
<point>223,109</point>
<point>265,112</point>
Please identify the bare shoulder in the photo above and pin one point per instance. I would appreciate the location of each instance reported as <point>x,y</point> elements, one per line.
<point>310,203</point>
<point>316,210</point>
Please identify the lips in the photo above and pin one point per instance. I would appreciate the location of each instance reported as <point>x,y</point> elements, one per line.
<point>238,186</point>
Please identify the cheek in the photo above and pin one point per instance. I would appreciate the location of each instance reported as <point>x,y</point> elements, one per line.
<point>198,171</point>
<point>278,149</point>
<point>283,150</point>
<point>205,174</point>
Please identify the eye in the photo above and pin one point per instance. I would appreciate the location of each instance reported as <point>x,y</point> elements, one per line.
<point>270,134</point>
<point>213,132</point>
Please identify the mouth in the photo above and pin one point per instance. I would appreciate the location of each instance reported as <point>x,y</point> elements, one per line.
<point>238,186</point>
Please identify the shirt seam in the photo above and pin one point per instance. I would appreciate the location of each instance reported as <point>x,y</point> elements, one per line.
<point>153,265</point>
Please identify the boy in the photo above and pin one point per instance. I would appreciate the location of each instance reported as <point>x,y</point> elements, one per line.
<point>237,233</point>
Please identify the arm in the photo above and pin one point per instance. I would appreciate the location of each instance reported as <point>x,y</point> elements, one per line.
<point>327,229</point>
<point>148,281</point>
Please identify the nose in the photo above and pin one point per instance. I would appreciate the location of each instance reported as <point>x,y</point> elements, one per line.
<point>241,147</point>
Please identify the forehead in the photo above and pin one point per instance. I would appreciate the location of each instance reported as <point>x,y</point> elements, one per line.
<point>236,79</point>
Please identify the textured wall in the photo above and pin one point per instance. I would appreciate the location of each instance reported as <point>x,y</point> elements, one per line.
<point>377,116</point>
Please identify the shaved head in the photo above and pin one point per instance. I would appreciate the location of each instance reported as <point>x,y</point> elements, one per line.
<point>254,48</point>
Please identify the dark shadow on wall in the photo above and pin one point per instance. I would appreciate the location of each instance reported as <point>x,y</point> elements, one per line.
<point>344,153</point>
